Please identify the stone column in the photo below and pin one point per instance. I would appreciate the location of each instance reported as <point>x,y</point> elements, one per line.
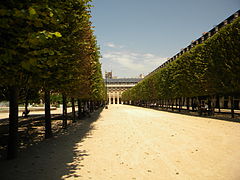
<point>113,97</point>
<point>117,97</point>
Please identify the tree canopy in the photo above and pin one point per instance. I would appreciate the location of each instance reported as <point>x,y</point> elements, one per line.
<point>47,46</point>
<point>210,68</point>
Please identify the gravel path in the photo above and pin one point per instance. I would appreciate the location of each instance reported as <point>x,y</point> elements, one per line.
<point>134,143</point>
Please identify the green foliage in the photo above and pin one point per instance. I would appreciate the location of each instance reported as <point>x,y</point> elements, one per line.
<point>224,60</point>
<point>50,45</point>
<point>210,68</point>
<point>56,98</point>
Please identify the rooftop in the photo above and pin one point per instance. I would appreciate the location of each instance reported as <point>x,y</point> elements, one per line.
<point>123,80</point>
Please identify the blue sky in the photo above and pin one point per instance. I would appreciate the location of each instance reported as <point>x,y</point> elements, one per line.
<point>136,36</point>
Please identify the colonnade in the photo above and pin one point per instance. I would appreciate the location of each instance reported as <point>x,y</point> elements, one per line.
<point>114,97</point>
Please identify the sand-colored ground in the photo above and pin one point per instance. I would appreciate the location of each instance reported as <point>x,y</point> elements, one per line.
<point>134,143</point>
<point>4,115</point>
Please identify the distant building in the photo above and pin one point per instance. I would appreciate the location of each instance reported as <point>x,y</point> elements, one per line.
<point>141,76</point>
<point>108,75</point>
<point>116,86</point>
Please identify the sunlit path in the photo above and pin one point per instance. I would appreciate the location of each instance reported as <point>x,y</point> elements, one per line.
<point>129,142</point>
<point>137,143</point>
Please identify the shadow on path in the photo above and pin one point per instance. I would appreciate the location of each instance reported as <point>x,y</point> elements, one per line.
<point>30,131</point>
<point>53,158</point>
<point>217,116</point>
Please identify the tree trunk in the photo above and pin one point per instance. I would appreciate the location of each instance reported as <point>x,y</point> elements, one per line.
<point>73,110</point>
<point>219,107</point>
<point>64,123</point>
<point>26,106</point>
<point>192,104</point>
<point>48,125</point>
<point>88,105</point>
<point>188,103</point>
<point>79,109</point>
<point>183,102</point>
<point>13,123</point>
<point>179,106</point>
<point>213,104</point>
<point>91,106</point>
<point>232,106</point>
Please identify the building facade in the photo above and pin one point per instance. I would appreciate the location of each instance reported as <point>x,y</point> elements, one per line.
<point>116,86</point>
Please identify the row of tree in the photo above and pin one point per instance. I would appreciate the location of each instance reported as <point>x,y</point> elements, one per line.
<point>49,47</point>
<point>209,69</point>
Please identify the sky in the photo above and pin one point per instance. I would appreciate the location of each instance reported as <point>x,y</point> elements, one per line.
<point>137,36</point>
